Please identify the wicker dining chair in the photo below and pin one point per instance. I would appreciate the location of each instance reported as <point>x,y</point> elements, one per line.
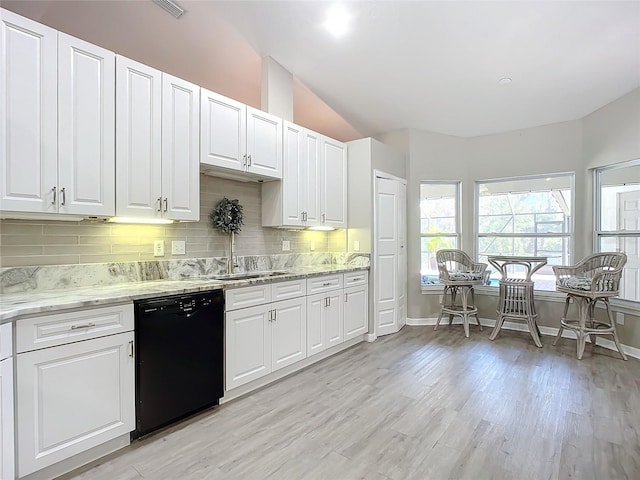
<point>459,274</point>
<point>595,278</point>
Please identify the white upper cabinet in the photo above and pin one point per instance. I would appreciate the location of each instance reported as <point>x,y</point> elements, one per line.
<point>333,183</point>
<point>157,161</point>
<point>313,191</point>
<point>180,148</point>
<point>28,115</point>
<point>56,121</point>
<point>86,128</point>
<point>239,138</point>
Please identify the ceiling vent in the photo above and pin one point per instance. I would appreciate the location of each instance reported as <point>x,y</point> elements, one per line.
<point>171,7</point>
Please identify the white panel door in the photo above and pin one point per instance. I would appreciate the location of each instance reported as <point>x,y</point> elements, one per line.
<point>28,115</point>
<point>293,186</point>
<point>247,345</point>
<point>6,420</point>
<point>386,257</point>
<point>86,131</point>
<point>334,318</point>
<point>316,327</point>
<point>138,139</point>
<point>288,332</point>
<point>402,254</point>
<point>180,149</point>
<point>73,398</point>
<point>629,219</point>
<point>223,131</point>
<point>356,311</point>
<point>264,143</point>
<point>311,177</point>
<point>333,180</point>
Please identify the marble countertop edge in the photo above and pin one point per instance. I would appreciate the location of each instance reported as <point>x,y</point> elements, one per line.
<point>16,305</point>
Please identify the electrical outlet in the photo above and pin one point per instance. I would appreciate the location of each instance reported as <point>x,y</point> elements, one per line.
<point>440,299</point>
<point>286,245</point>
<point>356,245</point>
<point>158,248</point>
<point>312,245</point>
<point>620,318</point>
<point>178,247</point>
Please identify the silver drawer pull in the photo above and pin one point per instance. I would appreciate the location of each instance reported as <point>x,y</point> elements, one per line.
<point>357,279</point>
<point>326,284</point>
<point>84,325</point>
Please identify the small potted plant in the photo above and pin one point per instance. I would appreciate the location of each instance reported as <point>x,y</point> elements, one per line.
<point>227,217</point>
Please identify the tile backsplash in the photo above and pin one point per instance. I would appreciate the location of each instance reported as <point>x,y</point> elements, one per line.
<point>42,242</point>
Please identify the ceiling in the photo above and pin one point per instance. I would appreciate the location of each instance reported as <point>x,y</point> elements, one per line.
<point>430,66</point>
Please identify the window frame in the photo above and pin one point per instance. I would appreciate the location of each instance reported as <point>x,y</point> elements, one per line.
<point>458,223</point>
<point>542,294</point>
<point>598,233</point>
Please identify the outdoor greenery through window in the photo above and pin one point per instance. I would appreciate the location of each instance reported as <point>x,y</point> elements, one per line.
<point>526,216</point>
<point>618,220</point>
<point>439,224</point>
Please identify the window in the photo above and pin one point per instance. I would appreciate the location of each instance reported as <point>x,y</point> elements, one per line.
<point>526,216</point>
<point>617,222</point>
<point>439,224</point>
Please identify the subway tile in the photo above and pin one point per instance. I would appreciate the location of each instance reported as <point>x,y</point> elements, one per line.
<point>75,249</point>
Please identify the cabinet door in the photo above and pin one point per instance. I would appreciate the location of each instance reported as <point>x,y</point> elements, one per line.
<point>180,149</point>
<point>356,311</point>
<point>311,177</point>
<point>223,131</point>
<point>264,144</point>
<point>293,175</point>
<point>73,398</point>
<point>316,337</point>
<point>138,134</point>
<point>86,132</point>
<point>333,179</point>
<point>288,332</point>
<point>334,318</point>
<point>6,420</point>
<point>28,115</point>
<point>247,345</point>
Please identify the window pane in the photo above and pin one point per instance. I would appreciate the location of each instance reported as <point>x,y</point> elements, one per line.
<point>429,247</point>
<point>438,207</point>
<point>620,199</point>
<point>630,284</point>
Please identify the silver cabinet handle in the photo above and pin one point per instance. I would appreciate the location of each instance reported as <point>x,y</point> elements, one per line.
<point>357,279</point>
<point>326,304</point>
<point>323,218</point>
<point>84,325</point>
<point>244,160</point>
<point>346,297</point>
<point>53,202</point>
<point>131,348</point>
<point>275,314</point>
<point>159,204</point>
<point>326,284</point>
<point>249,159</point>
<point>166,202</point>
<point>64,196</point>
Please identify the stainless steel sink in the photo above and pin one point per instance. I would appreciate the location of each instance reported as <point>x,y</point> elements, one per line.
<point>245,276</point>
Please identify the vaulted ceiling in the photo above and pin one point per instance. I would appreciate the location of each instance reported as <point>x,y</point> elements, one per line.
<point>425,65</point>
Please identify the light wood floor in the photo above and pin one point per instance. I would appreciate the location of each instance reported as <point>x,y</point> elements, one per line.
<point>416,405</point>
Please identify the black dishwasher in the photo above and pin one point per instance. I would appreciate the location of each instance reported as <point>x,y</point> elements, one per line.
<point>178,356</point>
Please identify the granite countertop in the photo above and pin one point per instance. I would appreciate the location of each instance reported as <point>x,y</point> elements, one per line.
<point>15,305</point>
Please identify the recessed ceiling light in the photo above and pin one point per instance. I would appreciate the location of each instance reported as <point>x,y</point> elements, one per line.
<point>505,81</point>
<point>337,20</point>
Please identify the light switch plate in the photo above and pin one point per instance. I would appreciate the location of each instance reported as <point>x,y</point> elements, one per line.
<point>158,248</point>
<point>312,245</point>
<point>356,245</point>
<point>620,318</point>
<point>286,245</point>
<point>178,247</point>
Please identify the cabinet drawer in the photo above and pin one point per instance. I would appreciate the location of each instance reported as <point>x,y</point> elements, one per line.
<point>356,278</point>
<point>247,296</point>
<point>6,340</point>
<point>323,283</point>
<point>290,289</point>
<point>60,328</point>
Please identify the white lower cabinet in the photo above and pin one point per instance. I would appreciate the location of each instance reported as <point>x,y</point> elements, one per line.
<point>6,420</point>
<point>325,319</point>
<point>78,392</point>
<point>356,311</point>
<point>263,339</point>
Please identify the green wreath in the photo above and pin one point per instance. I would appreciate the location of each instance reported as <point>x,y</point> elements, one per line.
<point>227,216</point>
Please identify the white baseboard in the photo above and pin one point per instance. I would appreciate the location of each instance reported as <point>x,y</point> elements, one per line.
<point>370,337</point>
<point>521,327</point>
